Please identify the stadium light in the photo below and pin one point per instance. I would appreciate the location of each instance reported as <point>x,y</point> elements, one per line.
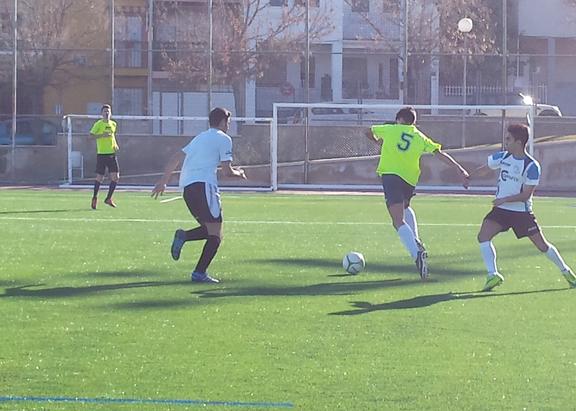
<point>528,100</point>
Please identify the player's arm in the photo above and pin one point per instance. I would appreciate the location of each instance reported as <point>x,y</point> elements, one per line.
<point>171,166</point>
<point>449,160</point>
<point>370,134</point>
<point>524,195</point>
<point>230,171</point>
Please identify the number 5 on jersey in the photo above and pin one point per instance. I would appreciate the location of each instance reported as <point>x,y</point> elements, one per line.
<point>406,141</point>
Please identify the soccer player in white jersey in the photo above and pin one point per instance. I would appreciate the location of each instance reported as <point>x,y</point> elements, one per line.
<point>519,176</point>
<point>198,178</point>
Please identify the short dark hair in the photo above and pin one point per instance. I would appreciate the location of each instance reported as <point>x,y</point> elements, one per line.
<point>408,114</point>
<point>217,115</point>
<point>108,106</point>
<point>519,132</point>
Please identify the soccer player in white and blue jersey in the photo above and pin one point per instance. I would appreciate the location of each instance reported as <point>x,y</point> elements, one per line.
<point>198,178</point>
<point>518,178</point>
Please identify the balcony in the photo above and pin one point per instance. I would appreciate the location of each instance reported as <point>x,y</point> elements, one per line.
<point>131,54</point>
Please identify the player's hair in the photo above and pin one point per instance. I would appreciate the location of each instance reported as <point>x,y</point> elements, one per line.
<point>108,106</point>
<point>407,114</point>
<point>217,115</point>
<point>519,132</point>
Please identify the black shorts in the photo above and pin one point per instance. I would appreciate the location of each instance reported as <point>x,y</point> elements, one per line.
<point>104,161</point>
<point>523,224</point>
<point>203,201</point>
<point>396,190</point>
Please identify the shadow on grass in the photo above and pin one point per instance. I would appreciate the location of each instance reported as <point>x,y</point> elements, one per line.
<point>33,291</point>
<point>44,211</point>
<point>152,304</point>
<point>363,307</point>
<point>346,288</point>
<point>377,267</point>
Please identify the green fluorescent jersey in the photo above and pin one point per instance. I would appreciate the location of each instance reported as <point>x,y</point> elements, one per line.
<point>105,145</point>
<point>402,147</point>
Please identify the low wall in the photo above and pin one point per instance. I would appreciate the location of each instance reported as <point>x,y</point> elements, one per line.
<point>337,155</point>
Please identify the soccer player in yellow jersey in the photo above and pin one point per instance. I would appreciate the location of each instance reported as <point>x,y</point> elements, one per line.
<point>104,131</point>
<point>402,146</point>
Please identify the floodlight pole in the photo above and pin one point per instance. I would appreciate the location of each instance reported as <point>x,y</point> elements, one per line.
<point>307,91</point>
<point>14,87</point>
<point>210,53</point>
<point>112,51</point>
<point>465,26</point>
<point>505,50</point>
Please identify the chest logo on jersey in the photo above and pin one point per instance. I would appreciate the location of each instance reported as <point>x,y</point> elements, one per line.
<point>506,176</point>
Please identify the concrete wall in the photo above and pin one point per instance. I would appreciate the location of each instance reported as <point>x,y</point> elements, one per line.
<point>337,155</point>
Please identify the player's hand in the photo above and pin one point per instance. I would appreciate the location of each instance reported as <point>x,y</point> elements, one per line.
<point>466,178</point>
<point>158,190</point>
<point>240,173</point>
<point>116,148</point>
<point>498,201</point>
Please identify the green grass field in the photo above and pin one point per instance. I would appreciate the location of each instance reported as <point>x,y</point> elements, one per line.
<point>94,309</point>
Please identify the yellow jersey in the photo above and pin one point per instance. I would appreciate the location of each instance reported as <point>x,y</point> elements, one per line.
<point>105,145</point>
<point>402,147</point>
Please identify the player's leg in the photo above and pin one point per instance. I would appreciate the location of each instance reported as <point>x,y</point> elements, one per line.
<point>398,194</point>
<point>203,201</point>
<point>113,169</point>
<point>491,226</point>
<point>410,219</point>
<point>553,255</point>
<point>100,170</point>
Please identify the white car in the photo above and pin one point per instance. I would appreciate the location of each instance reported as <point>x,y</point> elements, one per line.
<point>542,110</point>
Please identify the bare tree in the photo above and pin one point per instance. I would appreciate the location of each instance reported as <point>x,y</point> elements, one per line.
<point>54,38</point>
<point>431,30</point>
<point>246,42</point>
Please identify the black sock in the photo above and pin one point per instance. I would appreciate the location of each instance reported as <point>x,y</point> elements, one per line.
<point>198,233</point>
<point>96,187</point>
<point>208,253</point>
<point>111,189</point>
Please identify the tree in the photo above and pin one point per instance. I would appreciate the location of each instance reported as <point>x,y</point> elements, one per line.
<point>245,41</point>
<point>432,31</point>
<point>50,34</point>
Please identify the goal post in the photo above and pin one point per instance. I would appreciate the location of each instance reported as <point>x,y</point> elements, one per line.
<point>147,142</point>
<point>323,145</point>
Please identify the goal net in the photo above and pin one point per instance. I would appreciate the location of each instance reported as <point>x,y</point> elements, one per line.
<point>324,146</point>
<point>147,143</point>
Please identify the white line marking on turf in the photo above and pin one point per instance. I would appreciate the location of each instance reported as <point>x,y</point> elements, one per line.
<point>256,222</point>
<point>167,200</point>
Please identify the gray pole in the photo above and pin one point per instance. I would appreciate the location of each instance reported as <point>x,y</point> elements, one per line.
<point>14,87</point>
<point>505,50</point>
<point>210,53</point>
<point>405,66</point>
<point>307,90</point>
<point>112,52</point>
<point>150,40</point>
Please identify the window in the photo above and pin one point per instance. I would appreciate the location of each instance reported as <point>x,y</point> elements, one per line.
<point>275,73</point>
<point>313,3</point>
<point>129,101</point>
<point>360,6</point>
<point>278,2</point>
<point>312,73</point>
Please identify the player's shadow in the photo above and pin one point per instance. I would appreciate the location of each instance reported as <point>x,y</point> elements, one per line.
<point>32,290</point>
<point>44,211</point>
<point>375,267</point>
<point>346,288</point>
<point>364,307</point>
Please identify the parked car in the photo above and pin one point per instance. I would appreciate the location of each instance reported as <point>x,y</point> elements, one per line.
<point>542,110</point>
<point>29,131</point>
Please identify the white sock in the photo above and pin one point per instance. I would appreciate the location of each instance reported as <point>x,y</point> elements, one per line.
<point>555,257</point>
<point>489,255</point>
<point>407,237</point>
<point>410,218</point>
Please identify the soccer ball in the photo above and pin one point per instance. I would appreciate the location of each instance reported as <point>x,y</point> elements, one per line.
<point>353,263</point>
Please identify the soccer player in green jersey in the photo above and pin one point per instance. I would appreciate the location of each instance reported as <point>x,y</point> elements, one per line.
<point>104,131</point>
<point>399,167</point>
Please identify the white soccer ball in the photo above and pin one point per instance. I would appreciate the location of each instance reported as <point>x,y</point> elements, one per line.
<point>353,263</point>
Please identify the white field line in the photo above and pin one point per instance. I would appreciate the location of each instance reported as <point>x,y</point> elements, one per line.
<point>247,222</point>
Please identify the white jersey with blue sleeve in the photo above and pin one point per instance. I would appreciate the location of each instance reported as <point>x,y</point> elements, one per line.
<point>515,173</point>
<point>204,153</point>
